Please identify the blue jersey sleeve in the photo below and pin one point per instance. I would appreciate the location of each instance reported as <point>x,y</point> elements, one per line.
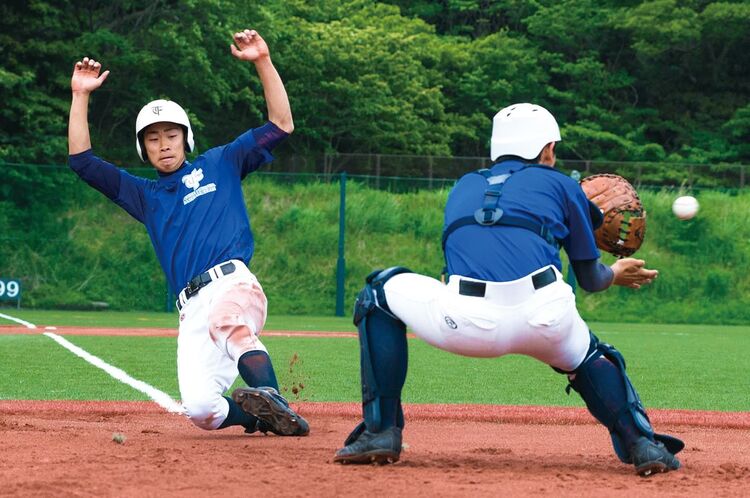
<point>592,275</point>
<point>246,155</point>
<point>100,174</point>
<point>269,135</point>
<point>119,186</point>
<point>580,243</point>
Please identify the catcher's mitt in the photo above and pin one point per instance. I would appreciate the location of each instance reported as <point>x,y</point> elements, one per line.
<point>624,226</point>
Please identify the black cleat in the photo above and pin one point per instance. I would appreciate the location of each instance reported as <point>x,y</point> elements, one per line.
<point>381,448</point>
<point>272,411</point>
<point>651,457</point>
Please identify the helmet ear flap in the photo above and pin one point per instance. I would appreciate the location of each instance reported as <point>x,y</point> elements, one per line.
<point>140,146</point>
<point>189,139</point>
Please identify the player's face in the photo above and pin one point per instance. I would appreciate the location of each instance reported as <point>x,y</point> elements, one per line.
<point>165,146</point>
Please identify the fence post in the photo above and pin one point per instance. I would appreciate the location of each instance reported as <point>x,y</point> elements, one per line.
<point>742,176</point>
<point>377,171</point>
<point>341,262</point>
<point>430,171</point>
<point>638,175</point>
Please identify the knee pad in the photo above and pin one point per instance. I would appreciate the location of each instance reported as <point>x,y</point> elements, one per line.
<point>373,295</point>
<point>585,382</point>
<point>206,413</point>
<point>371,312</point>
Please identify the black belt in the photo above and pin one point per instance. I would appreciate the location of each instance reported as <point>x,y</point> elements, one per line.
<point>197,283</point>
<point>476,289</point>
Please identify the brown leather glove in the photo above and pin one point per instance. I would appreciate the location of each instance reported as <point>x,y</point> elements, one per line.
<point>624,226</point>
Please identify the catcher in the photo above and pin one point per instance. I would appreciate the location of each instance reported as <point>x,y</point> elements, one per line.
<point>504,227</point>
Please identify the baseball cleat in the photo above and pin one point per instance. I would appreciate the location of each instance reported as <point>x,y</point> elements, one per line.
<point>272,411</point>
<point>650,457</point>
<point>381,448</point>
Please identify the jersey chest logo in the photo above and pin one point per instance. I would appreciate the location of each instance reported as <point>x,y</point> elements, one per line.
<point>193,180</point>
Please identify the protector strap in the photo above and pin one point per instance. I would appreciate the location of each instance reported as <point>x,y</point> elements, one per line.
<point>491,215</point>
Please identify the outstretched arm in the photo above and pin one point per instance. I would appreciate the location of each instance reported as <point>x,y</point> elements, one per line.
<point>594,276</point>
<point>86,78</point>
<point>249,46</point>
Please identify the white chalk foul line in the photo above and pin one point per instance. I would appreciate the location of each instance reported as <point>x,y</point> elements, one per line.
<point>18,320</point>
<point>161,398</point>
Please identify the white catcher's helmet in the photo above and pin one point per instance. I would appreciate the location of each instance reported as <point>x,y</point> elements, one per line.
<point>158,111</point>
<point>522,130</point>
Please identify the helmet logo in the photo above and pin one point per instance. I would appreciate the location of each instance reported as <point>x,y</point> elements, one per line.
<point>157,109</point>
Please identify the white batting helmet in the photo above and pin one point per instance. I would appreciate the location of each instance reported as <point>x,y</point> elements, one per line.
<point>158,111</point>
<point>522,130</point>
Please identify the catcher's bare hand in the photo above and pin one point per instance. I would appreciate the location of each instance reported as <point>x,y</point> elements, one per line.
<point>249,46</point>
<point>86,76</point>
<point>630,272</point>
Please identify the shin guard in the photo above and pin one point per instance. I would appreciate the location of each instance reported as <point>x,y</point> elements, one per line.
<point>610,396</point>
<point>383,353</point>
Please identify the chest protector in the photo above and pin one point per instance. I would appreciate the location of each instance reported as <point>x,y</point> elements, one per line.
<point>490,214</point>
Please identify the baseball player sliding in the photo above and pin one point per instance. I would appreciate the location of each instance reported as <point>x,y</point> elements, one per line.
<point>504,227</point>
<point>196,218</point>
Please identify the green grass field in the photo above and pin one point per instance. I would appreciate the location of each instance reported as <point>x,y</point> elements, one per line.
<point>673,366</point>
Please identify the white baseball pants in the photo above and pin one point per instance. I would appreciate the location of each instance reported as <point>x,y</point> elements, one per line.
<point>217,326</point>
<point>512,318</point>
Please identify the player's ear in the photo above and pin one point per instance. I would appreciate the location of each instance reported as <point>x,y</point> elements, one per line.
<point>547,155</point>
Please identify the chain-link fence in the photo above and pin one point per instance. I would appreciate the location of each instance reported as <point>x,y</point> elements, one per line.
<point>393,170</point>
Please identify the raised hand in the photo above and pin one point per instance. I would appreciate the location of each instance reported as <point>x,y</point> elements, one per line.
<point>249,46</point>
<point>86,76</point>
<point>631,272</point>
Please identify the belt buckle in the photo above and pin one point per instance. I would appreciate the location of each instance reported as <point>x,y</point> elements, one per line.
<point>191,288</point>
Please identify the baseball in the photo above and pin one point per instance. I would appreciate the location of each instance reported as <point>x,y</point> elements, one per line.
<point>685,207</point>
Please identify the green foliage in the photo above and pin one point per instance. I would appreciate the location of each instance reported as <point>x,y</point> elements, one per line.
<point>628,79</point>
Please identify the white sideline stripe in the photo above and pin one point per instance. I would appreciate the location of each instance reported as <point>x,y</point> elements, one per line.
<point>18,320</point>
<point>161,398</point>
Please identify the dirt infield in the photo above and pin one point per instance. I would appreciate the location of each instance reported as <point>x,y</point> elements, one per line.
<point>66,448</point>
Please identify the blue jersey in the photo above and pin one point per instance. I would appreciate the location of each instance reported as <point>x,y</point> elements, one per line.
<point>195,216</point>
<point>502,253</point>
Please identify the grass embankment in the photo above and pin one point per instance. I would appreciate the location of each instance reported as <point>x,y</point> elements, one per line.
<point>92,251</point>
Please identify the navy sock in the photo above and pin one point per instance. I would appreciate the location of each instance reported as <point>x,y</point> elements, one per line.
<point>256,369</point>
<point>237,416</point>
